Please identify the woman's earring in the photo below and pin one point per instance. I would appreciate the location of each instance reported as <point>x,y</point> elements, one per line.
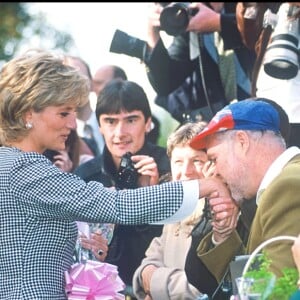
<point>28,125</point>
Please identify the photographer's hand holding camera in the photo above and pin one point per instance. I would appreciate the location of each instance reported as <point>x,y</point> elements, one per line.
<point>147,169</point>
<point>188,75</point>
<point>206,19</point>
<point>194,17</point>
<point>153,25</point>
<point>206,65</point>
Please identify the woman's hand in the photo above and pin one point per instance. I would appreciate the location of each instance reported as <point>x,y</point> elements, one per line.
<point>146,278</point>
<point>63,161</point>
<point>96,243</point>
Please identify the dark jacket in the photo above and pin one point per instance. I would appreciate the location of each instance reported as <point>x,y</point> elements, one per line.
<point>129,243</point>
<point>198,274</point>
<point>169,68</point>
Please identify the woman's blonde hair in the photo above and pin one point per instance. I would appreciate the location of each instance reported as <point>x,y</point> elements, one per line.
<point>33,81</point>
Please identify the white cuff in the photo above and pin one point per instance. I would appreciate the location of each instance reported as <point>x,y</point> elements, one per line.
<point>214,241</point>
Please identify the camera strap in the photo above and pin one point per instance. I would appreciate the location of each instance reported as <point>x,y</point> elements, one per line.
<point>231,72</point>
<point>196,44</point>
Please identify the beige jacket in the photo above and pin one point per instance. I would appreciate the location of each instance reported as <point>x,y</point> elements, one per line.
<point>168,252</point>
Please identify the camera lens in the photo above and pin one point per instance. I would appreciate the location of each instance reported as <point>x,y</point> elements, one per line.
<point>281,59</point>
<point>124,43</point>
<point>175,17</point>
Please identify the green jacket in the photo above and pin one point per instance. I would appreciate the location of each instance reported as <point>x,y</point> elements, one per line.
<point>278,213</point>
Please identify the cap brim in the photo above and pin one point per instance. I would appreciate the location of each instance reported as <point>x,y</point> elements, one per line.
<point>198,142</point>
<point>215,125</point>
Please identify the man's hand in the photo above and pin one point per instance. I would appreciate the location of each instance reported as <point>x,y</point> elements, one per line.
<point>153,23</point>
<point>225,214</point>
<point>147,168</point>
<point>206,20</point>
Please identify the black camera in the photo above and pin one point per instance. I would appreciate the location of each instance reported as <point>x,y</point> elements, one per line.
<point>124,43</point>
<point>127,175</point>
<point>175,17</point>
<point>50,154</point>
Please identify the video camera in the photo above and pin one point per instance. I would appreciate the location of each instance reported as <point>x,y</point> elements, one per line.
<point>282,55</point>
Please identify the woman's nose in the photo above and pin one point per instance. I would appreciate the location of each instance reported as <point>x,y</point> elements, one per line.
<point>188,169</point>
<point>72,123</point>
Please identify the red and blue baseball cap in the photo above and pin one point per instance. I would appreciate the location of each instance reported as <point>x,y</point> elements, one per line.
<point>249,114</point>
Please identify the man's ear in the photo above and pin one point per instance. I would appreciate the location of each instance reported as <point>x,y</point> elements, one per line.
<point>99,125</point>
<point>100,129</point>
<point>148,125</point>
<point>243,140</point>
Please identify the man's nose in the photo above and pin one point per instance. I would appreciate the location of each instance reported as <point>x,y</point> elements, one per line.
<point>119,129</point>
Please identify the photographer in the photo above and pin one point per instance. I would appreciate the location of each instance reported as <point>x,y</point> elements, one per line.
<point>124,117</point>
<point>256,36</point>
<point>209,52</point>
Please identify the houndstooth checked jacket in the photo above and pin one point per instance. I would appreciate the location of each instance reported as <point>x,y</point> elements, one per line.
<point>39,205</point>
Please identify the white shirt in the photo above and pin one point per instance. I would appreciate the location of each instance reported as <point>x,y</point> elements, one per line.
<point>93,123</point>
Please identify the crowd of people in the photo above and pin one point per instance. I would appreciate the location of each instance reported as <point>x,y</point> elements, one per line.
<point>178,215</point>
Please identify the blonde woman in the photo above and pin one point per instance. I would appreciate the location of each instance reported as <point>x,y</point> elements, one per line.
<point>39,98</point>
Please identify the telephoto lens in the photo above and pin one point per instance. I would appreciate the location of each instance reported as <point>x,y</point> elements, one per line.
<point>124,43</point>
<point>281,59</point>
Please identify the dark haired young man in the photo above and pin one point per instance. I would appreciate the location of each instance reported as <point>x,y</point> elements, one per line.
<point>124,116</point>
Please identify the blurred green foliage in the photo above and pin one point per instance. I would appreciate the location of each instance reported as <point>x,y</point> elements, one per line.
<point>18,26</point>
